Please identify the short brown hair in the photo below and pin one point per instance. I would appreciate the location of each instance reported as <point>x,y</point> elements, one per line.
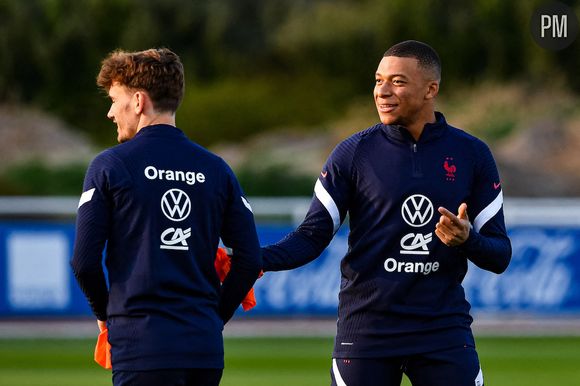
<point>158,71</point>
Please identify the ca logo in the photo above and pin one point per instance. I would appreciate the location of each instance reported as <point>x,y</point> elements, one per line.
<point>175,238</point>
<point>175,205</point>
<point>416,244</point>
<point>417,210</point>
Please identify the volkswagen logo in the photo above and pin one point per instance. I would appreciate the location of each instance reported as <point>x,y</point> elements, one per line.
<point>176,205</point>
<point>417,210</point>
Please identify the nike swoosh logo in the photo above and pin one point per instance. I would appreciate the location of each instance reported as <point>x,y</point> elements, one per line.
<point>496,186</point>
<point>323,174</point>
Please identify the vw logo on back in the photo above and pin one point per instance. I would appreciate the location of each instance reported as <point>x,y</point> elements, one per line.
<point>176,205</point>
<point>417,210</point>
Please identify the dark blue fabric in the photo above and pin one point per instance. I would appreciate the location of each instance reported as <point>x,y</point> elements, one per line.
<point>401,290</point>
<point>177,377</point>
<point>458,366</point>
<point>161,203</point>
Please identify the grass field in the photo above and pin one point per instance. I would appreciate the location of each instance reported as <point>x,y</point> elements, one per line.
<point>288,361</point>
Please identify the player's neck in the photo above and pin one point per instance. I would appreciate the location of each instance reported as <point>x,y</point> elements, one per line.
<point>417,127</point>
<point>156,119</point>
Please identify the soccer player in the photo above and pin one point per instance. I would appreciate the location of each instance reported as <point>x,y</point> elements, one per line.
<point>160,203</point>
<point>402,308</point>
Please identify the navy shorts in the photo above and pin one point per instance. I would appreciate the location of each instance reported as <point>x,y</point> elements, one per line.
<point>168,377</point>
<point>456,366</point>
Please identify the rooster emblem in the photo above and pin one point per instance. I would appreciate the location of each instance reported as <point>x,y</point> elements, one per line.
<point>450,169</point>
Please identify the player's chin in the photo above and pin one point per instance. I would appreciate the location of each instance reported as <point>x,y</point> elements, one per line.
<point>388,119</point>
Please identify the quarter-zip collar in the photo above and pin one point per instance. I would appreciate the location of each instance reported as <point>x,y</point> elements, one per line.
<point>431,131</point>
<point>159,130</point>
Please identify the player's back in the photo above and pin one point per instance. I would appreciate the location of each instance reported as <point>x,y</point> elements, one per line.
<point>169,197</point>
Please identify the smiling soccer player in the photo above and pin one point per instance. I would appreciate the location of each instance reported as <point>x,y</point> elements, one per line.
<point>401,304</point>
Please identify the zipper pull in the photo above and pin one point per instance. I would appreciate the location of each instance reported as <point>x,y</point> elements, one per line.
<point>414,148</point>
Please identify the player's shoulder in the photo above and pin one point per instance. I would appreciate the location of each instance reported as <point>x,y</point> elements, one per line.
<point>362,136</point>
<point>206,153</point>
<point>347,149</point>
<point>209,158</point>
<point>110,164</point>
<point>467,140</point>
<point>107,158</point>
<point>369,132</point>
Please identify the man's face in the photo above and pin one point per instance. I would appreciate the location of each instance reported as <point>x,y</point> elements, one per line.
<point>402,91</point>
<point>123,112</point>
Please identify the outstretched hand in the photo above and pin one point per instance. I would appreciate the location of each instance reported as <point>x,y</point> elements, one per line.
<point>453,230</point>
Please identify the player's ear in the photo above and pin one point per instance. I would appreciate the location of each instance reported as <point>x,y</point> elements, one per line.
<point>432,89</point>
<point>139,100</point>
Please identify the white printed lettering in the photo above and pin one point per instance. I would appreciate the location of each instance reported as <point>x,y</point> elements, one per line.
<point>392,265</point>
<point>190,178</point>
<point>540,273</point>
<point>150,172</point>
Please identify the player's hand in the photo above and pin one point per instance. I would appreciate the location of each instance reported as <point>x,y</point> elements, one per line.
<point>102,325</point>
<point>103,349</point>
<point>453,230</point>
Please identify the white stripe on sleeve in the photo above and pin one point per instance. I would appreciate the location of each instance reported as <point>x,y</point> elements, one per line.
<point>479,378</point>
<point>326,200</point>
<point>247,204</point>
<point>86,197</point>
<point>488,212</point>
<point>337,376</point>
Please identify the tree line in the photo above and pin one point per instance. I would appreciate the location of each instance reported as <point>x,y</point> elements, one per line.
<point>256,64</point>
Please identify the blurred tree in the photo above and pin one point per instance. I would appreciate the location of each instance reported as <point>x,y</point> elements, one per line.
<point>256,64</point>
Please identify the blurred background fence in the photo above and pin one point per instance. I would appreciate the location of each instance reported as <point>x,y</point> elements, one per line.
<point>543,279</point>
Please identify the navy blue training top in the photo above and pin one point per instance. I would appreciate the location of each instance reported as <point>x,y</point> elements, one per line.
<point>400,292</point>
<point>161,203</point>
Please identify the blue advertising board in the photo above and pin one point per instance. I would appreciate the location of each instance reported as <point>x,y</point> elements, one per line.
<point>543,277</point>
<point>35,275</point>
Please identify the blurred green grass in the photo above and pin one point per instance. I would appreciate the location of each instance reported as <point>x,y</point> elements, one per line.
<point>506,361</point>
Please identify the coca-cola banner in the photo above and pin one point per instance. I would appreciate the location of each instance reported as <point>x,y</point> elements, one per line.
<point>543,276</point>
